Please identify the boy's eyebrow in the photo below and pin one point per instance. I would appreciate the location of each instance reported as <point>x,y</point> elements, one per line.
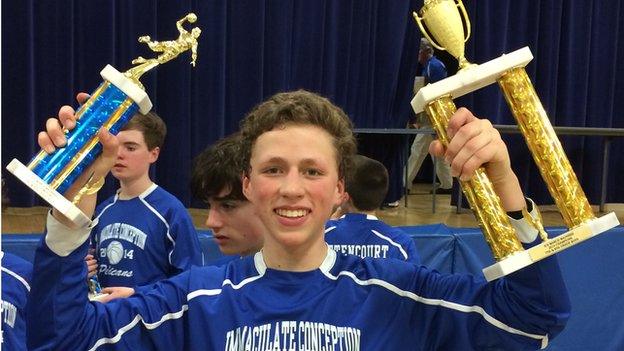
<point>227,197</point>
<point>306,161</point>
<point>131,143</point>
<point>273,159</point>
<point>309,161</point>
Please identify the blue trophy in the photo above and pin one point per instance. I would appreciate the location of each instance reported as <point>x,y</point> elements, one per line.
<point>111,105</point>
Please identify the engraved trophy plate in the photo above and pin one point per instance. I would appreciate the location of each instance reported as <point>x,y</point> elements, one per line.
<point>440,21</point>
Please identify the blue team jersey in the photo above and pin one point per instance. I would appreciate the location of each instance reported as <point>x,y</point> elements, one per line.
<point>144,239</point>
<point>16,274</point>
<point>366,236</point>
<point>348,303</point>
<point>434,70</point>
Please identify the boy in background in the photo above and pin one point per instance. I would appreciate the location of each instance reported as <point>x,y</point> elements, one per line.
<point>143,234</point>
<point>359,232</point>
<point>217,180</point>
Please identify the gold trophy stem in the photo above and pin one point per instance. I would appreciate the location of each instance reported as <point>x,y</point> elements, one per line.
<point>545,147</point>
<point>479,191</point>
<point>92,186</point>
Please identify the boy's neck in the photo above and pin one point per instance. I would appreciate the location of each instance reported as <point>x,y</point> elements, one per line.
<point>349,208</point>
<point>133,188</point>
<point>303,258</point>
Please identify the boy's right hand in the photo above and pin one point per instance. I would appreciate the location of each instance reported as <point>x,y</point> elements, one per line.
<point>54,136</point>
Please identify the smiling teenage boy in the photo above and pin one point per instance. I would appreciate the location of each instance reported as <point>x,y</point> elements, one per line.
<point>296,293</point>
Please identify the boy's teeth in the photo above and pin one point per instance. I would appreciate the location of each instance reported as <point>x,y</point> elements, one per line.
<point>291,213</point>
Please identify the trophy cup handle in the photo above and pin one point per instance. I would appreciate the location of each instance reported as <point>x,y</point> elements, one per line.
<point>424,32</point>
<point>461,7</point>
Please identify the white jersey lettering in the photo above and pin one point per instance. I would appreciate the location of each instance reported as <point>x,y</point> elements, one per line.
<point>9,313</point>
<point>123,231</point>
<point>374,251</point>
<point>292,336</point>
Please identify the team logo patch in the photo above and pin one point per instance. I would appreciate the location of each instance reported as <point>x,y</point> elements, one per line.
<point>114,252</point>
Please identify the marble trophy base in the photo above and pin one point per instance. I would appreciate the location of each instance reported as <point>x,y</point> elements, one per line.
<point>572,237</point>
<point>472,78</point>
<point>51,196</point>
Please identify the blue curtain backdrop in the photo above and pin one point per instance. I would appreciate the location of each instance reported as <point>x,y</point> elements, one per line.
<point>362,54</point>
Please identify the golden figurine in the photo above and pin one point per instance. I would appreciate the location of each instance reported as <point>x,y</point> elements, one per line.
<point>441,23</point>
<point>168,49</point>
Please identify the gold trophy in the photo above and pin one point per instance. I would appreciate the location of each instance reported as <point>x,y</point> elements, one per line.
<point>110,106</point>
<point>441,22</point>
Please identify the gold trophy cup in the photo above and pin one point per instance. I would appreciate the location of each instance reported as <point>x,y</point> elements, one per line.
<point>441,23</point>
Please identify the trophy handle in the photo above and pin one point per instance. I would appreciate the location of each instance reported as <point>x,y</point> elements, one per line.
<point>461,7</point>
<point>424,32</point>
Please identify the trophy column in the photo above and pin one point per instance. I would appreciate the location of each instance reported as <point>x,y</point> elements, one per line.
<point>117,99</point>
<point>444,23</point>
<point>110,106</point>
<point>492,218</point>
<point>545,147</point>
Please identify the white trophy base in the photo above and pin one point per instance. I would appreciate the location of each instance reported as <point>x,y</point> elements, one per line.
<point>548,248</point>
<point>58,201</point>
<point>471,79</point>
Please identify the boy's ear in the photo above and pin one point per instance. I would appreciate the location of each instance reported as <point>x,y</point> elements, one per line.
<point>246,185</point>
<point>154,153</point>
<point>346,198</point>
<point>340,193</point>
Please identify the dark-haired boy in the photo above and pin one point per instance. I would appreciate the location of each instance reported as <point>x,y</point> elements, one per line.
<point>217,180</point>
<point>359,232</point>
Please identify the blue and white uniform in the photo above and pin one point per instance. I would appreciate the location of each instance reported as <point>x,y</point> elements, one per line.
<point>144,239</point>
<point>16,274</point>
<point>434,70</point>
<point>366,236</point>
<point>348,303</point>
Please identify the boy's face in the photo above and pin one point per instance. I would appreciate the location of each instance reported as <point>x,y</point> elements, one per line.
<point>293,182</point>
<point>133,157</point>
<point>236,227</point>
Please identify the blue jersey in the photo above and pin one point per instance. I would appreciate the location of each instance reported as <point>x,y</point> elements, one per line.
<point>144,239</point>
<point>348,303</point>
<point>366,236</point>
<point>16,274</point>
<point>434,70</point>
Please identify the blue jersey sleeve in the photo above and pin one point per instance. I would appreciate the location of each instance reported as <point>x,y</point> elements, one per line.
<point>66,320</point>
<point>412,253</point>
<point>521,311</point>
<point>186,251</point>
